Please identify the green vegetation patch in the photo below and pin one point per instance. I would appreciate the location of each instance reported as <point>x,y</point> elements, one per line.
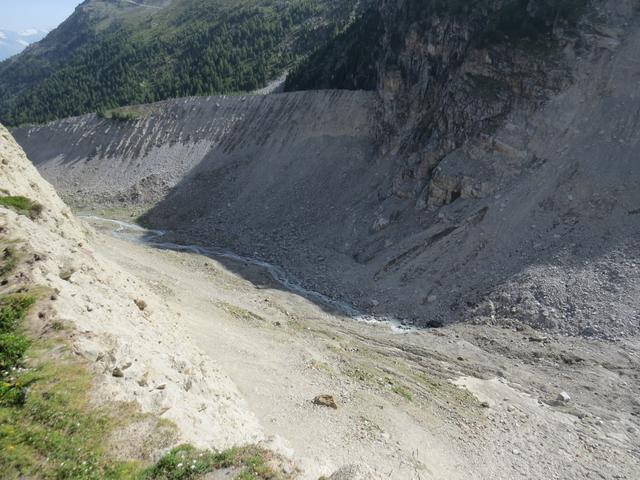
<point>50,430</point>
<point>121,115</point>
<point>13,344</point>
<point>241,313</point>
<point>22,205</point>
<point>403,392</point>
<point>186,462</point>
<point>47,428</point>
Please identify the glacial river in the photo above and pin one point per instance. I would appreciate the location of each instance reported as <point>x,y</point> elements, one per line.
<point>154,238</point>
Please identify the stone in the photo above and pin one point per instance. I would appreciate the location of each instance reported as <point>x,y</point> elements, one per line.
<point>66,274</point>
<point>563,397</point>
<point>141,304</point>
<point>434,324</point>
<point>117,372</point>
<point>326,401</point>
<point>538,339</point>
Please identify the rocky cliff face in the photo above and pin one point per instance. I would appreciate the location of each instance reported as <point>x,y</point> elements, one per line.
<point>492,181</point>
<point>450,71</point>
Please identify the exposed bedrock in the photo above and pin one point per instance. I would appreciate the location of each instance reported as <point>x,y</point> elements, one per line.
<point>535,220</point>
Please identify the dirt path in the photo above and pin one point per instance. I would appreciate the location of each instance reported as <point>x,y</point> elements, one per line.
<point>399,410</point>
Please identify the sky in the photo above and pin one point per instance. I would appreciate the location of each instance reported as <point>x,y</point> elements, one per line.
<point>21,15</point>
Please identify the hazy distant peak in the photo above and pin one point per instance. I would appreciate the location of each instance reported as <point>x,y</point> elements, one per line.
<point>12,43</point>
<point>30,32</point>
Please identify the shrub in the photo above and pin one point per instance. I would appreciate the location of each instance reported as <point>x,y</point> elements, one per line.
<point>119,114</point>
<point>12,349</point>
<point>186,462</point>
<point>13,344</point>
<point>403,392</point>
<point>13,309</point>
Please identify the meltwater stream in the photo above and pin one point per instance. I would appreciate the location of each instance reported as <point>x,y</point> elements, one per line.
<point>137,234</point>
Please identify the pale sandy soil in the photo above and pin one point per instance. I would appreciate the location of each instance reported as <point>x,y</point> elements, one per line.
<point>410,405</point>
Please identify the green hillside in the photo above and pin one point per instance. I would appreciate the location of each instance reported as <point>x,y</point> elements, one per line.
<point>111,53</point>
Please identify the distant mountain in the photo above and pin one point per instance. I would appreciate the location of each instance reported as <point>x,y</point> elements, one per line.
<point>12,43</point>
<point>110,53</point>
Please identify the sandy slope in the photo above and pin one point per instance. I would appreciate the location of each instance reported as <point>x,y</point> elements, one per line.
<point>399,410</point>
<point>163,373</point>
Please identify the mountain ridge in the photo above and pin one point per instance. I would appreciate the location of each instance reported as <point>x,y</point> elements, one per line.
<point>114,53</point>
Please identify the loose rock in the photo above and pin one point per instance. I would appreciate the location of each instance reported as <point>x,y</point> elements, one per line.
<point>141,304</point>
<point>326,401</point>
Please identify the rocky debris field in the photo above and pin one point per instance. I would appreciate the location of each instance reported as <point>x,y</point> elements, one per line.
<point>371,401</point>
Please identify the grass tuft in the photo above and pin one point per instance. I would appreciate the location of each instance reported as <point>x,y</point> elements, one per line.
<point>403,392</point>
<point>241,313</point>
<point>185,462</point>
<point>22,205</point>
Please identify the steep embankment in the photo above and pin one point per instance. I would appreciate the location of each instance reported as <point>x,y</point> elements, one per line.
<point>489,184</point>
<point>269,139</point>
<point>124,333</point>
